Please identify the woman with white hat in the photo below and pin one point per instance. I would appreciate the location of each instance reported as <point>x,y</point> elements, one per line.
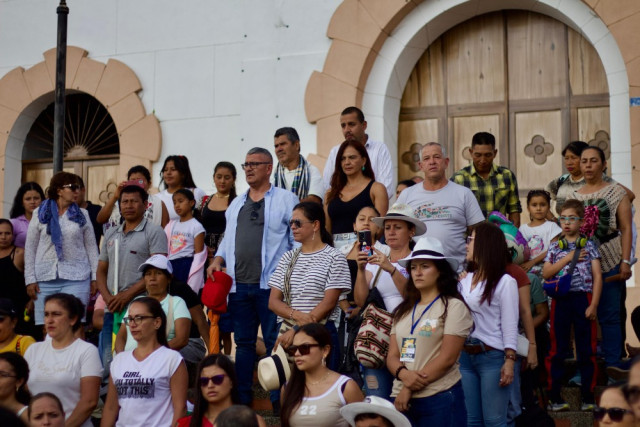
<point>314,394</point>
<point>429,330</point>
<point>388,277</point>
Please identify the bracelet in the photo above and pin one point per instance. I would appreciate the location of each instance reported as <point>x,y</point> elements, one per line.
<point>532,343</point>
<point>510,356</point>
<point>393,271</point>
<point>400,368</point>
<point>291,314</point>
<point>626,261</point>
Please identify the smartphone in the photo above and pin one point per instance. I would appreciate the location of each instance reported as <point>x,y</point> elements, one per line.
<point>138,182</point>
<point>366,245</point>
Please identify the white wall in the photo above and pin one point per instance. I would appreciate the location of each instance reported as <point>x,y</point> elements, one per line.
<point>220,75</point>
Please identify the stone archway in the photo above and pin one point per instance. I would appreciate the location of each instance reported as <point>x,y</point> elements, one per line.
<point>25,93</point>
<point>377,43</point>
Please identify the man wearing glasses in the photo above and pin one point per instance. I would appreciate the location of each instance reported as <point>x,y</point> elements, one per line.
<point>256,236</point>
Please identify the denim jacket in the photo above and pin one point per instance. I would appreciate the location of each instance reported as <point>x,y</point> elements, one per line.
<point>276,237</point>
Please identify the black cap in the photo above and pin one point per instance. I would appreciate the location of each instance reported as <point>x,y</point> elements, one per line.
<point>8,307</point>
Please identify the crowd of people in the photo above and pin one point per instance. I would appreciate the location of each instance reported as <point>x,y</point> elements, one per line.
<point>103,309</point>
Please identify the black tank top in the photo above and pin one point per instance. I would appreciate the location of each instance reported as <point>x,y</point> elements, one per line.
<point>343,214</point>
<point>213,222</point>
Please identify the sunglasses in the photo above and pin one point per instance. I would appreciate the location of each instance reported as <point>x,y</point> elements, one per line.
<point>304,349</point>
<point>615,414</point>
<point>216,380</point>
<point>255,211</point>
<point>72,187</point>
<point>298,223</point>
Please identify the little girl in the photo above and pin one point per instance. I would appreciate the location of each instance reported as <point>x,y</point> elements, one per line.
<point>186,240</point>
<point>540,232</point>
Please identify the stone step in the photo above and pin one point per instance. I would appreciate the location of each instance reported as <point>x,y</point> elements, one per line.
<point>573,418</point>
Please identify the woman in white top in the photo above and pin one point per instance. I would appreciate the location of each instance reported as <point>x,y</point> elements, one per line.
<point>176,174</point>
<point>314,394</point>
<point>148,385</point>
<point>308,281</point>
<point>157,278</point>
<point>487,362</point>
<point>65,365</point>
<point>388,277</point>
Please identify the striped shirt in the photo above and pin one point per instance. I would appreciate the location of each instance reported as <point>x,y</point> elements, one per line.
<point>499,192</point>
<point>313,274</point>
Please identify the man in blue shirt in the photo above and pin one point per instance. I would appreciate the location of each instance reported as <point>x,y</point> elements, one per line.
<point>256,236</point>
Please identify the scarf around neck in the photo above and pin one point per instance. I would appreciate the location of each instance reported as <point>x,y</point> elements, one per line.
<point>300,184</point>
<point>48,214</point>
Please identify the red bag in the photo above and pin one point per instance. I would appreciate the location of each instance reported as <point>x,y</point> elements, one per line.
<point>214,293</point>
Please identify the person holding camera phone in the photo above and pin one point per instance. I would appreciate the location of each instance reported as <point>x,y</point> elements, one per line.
<point>387,276</point>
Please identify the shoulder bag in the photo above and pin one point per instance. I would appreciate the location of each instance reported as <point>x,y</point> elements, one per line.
<point>559,286</point>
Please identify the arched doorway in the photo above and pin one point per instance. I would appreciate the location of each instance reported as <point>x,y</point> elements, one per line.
<point>91,146</point>
<point>530,80</point>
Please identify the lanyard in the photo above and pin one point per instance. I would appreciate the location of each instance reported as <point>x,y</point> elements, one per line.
<point>413,325</point>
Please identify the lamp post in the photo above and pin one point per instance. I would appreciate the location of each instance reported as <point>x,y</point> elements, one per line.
<point>61,69</point>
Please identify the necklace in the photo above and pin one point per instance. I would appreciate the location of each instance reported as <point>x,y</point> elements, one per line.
<point>218,196</point>
<point>321,379</point>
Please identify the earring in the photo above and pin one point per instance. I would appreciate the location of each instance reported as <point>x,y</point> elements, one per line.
<point>314,235</point>
<point>363,169</point>
<point>324,361</point>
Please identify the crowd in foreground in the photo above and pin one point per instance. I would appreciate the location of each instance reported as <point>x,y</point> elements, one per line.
<point>441,309</point>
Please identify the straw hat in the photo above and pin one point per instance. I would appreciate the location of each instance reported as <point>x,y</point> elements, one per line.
<point>402,212</point>
<point>274,371</point>
<point>429,248</point>
<point>374,405</point>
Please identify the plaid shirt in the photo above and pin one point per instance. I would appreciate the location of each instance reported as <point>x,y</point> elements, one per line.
<point>499,192</point>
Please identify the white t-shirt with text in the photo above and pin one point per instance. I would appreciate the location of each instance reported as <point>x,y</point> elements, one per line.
<point>182,236</point>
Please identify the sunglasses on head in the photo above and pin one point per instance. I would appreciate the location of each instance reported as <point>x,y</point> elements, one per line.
<point>72,187</point>
<point>216,379</point>
<point>615,414</point>
<point>304,349</point>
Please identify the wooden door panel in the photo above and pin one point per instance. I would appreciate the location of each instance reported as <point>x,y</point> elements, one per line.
<point>592,122</point>
<point>586,72</point>
<point>463,129</point>
<point>410,133</point>
<point>537,56</point>
<point>99,179</point>
<point>425,87</point>
<point>42,173</point>
<point>475,61</point>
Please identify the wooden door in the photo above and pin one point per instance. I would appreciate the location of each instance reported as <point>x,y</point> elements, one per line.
<point>531,81</point>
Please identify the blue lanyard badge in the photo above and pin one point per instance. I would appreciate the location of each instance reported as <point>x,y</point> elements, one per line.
<point>413,313</point>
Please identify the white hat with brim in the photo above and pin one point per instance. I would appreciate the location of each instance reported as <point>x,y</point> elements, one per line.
<point>402,212</point>
<point>374,405</point>
<point>429,248</point>
<point>158,261</point>
<point>274,371</point>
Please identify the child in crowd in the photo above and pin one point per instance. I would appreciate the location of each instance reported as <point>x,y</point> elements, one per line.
<point>578,307</point>
<point>540,232</point>
<point>186,239</point>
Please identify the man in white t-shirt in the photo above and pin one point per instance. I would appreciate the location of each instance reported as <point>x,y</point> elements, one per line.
<point>293,172</point>
<point>448,209</point>
<point>354,127</point>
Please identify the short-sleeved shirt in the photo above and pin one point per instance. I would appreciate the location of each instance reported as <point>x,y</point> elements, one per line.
<point>582,278</point>
<point>537,293</point>
<point>134,248</point>
<point>249,242</point>
<point>386,286</point>
<point>19,344</point>
<point>447,213</point>
<point>313,274</point>
<point>180,311</point>
<point>59,371</point>
<point>427,340</point>
<point>538,240</point>
<point>562,188</point>
<point>499,192</point>
<point>515,271</point>
<point>183,235</point>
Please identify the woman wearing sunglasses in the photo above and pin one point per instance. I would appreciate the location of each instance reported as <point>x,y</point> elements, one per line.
<point>314,394</point>
<point>308,281</point>
<point>60,252</point>
<point>218,390</point>
<point>147,386</point>
<point>614,410</point>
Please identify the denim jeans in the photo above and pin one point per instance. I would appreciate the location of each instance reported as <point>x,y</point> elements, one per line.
<point>444,409</point>
<point>78,288</point>
<point>485,400</point>
<point>333,362</point>
<point>249,307</point>
<point>610,319</point>
<point>378,382</point>
<point>515,398</point>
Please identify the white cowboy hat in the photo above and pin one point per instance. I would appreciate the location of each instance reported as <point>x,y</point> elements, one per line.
<point>402,212</point>
<point>428,248</point>
<point>374,405</point>
<point>274,371</point>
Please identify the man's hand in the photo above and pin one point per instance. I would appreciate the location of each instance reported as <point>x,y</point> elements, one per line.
<point>33,290</point>
<point>285,340</point>
<point>119,301</point>
<point>216,265</point>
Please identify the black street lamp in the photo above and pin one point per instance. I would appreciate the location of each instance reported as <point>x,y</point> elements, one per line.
<point>61,69</point>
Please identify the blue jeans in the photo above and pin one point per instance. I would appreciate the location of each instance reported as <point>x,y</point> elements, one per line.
<point>515,398</point>
<point>444,409</point>
<point>249,307</point>
<point>78,288</point>
<point>485,400</point>
<point>378,382</point>
<point>609,318</point>
<point>333,362</point>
